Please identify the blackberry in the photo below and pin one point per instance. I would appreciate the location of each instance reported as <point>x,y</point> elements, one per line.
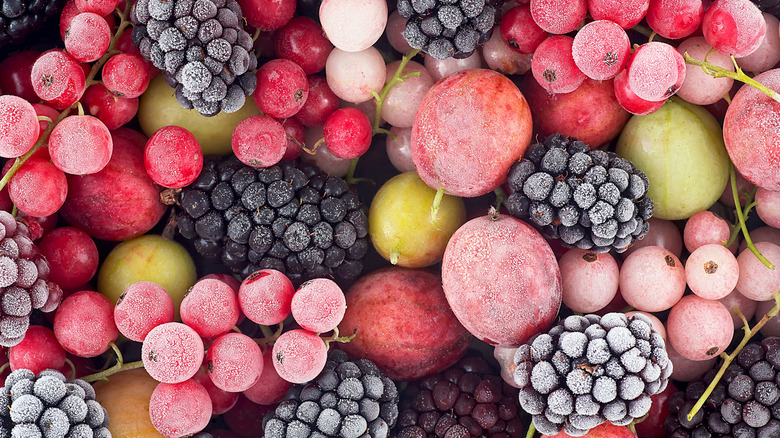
<point>24,284</point>
<point>769,6</point>
<point>291,217</point>
<point>449,28</point>
<point>468,399</point>
<point>202,48</point>
<point>349,399</point>
<point>745,402</point>
<point>19,19</point>
<point>589,199</point>
<point>591,369</point>
<point>48,405</point>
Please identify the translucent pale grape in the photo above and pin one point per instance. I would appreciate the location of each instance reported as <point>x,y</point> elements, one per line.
<point>699,329</point>
<point>352,76</point>
<point>705,227</point>
<point>768,207</point>
<point>439,68</point>
<point>756,281</point>
<point>506,360</point>
<point>394,32</point>
<point>712,271</point>
<point>768,53</point>
<point>324,159</point>
<point>699,87</point>
<point>772,327</point>
<point>399,149</point>
<point>500,57</point>
<point>762,234</point>
<point>652,279</point>
<point>589,280</point>
<point>746,306</point>
<point>353,25</point>
<point>686,370</point>
<point>402,101</point>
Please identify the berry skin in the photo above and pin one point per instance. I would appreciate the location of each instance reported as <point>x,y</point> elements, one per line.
<point>319,305</point>
<point>173,157</point>
<point>210,308</point>
<point>299,355</point>
<point>141,307</point>
<point>19,126</point>
<point>347,133</point>
<point>38,351</point>
<point>84,324</point>
<point>265,297</point>
<point>234,362</point>
<point>282,88</point>
<point>180,409</point>
<point>126,75</point>
<point>172,352</point>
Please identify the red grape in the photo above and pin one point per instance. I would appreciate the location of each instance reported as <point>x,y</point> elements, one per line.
<point>72,255</point>
<point>296,136</point>
<point>180,409</point>
<point>267,15</point>
<point>112,110</point>
<point>141,307</point>
<point>234,362</point>
<point>299,356</point>
<point>100,7</point>
<point>84,324</point>
<point>172,352</point>
<point>320,104</point>
<point>39,350</point>
<point>19,127</point>
<point>303,42</point>
<point>519,31</point>
<point>15,73</point>
<point>210,308</point>
<point>259,141</point>
<point>173,157</point>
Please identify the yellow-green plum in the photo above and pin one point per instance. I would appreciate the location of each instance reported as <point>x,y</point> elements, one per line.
<point>147,258</point>
<point>400,223</point>
<point>680,149</point>
<point>159,108</point>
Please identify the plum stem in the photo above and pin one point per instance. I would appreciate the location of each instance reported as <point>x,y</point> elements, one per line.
<point>89,80</point>
<point>118,367</point>
<point>749,333</point>
<point>531,431</point>
<point>736,228</point>
<point>720,72</point>
<point>741,219</point>
<point>435,207</point>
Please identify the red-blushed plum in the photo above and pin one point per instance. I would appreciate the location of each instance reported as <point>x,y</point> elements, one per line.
<point>653,425</point>
<point>591,113</point>
<point>471,161</point>
<point>501,280</point>
<point>604,430</point>
<point>404,323</point>
<point>126,398</point>
<point>754,148</point>
<point>119,202</point>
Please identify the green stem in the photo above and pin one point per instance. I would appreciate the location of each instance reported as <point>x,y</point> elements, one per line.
<point>741,219</point>
<point>739,75</point>
<point>500,197</point>
<point>336,338</point>
<point>435,207</point>
<point>118,367</point>
<point>397,78</point>
<point>736,228</point>
<point>531,431</point>
<point>123,24</point>
<point>72,368</point>
<point>749,333</point>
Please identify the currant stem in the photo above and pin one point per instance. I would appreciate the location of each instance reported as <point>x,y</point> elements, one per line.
<point>435,207</point>
<point>720,72</point>
<point>118,367</point>
<point>531,431</point>
<point>736,228</point>
<point>397,78</point>
<point>741,218</point>
<point>336,338</point>
<point>749,333</point>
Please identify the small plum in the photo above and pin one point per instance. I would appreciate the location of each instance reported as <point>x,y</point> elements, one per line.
<point>501,279</point>
<point>404,323</point>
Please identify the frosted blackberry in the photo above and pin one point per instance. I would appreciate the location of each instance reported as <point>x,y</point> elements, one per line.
<point>46,405</point>
<point>202,48</point>
<point>19,19</point>
<point>468,399</point>
<point>591,369</point>
<point>589,199</point>
<point>349,399</point>
<point>291,217</point>
<point>24,284</point>
<point>745,402</point>
<point>449,28</point>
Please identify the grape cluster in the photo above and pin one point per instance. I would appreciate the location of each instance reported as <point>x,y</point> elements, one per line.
<point>290,217</point>
<point>591,369</point>
<point>449,28</point>
<point>24,284</point>
<point>349,399</point>
<point>467,399</point>
<point>745,402</point>
<point>47,405</point>
<point>202,48</point>
<point>18,18</point>
<point>588,199</point>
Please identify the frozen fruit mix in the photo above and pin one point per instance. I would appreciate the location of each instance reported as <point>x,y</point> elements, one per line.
<point>572,224</point>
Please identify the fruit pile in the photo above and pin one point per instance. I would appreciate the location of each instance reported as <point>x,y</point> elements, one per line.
<point>375,218</point>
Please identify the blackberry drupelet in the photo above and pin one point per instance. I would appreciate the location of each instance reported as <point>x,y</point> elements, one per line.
<point>589,199</point>
<point>349,399</point>
<point>19,18</point>
<point>47,405</point>
<point>744,403</point>
<point>469,399</point>
<point>291,217</point>
<point>591,369</point>
<point>24,284</point>
<point>202,48</point>
<point>449,28</point>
